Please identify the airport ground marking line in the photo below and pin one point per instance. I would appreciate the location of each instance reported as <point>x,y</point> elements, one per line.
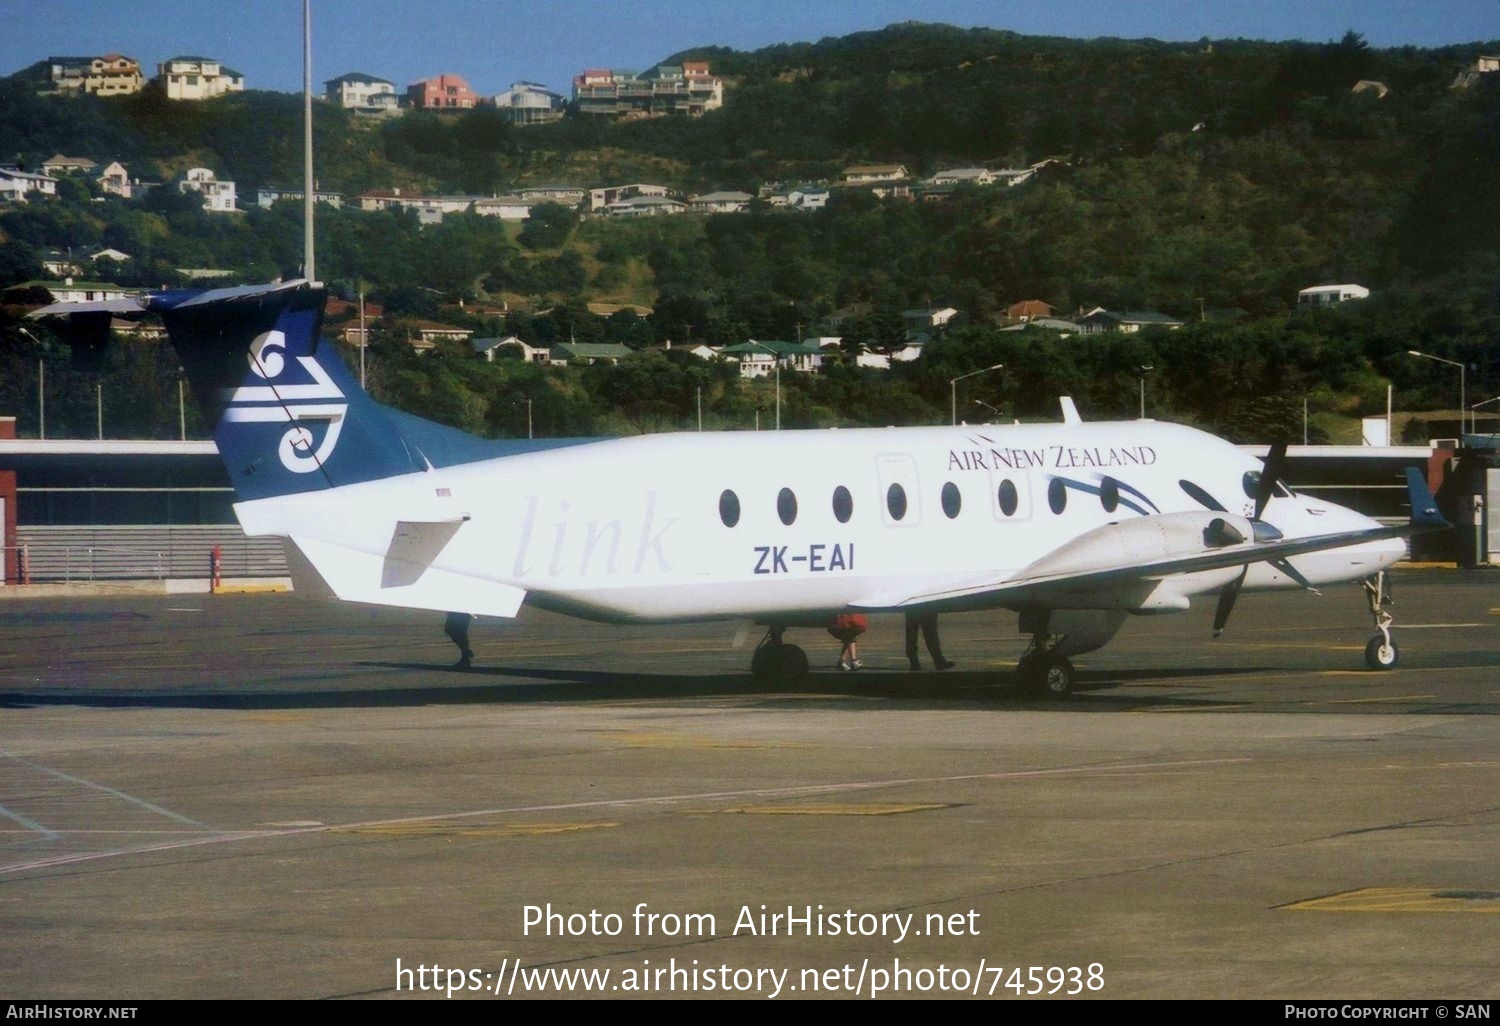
<point>804,790</point>
<point>29,824</point>
<point>114,792</point>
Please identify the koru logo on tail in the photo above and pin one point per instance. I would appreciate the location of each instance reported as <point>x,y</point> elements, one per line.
<point>283,402</point>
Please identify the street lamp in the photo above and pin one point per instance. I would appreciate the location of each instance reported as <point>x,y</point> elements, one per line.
<point>1145,369</point>
<point>987,406</point>
<point>953,388</point>
<point>1462,389</point>
<point>1473,422</point>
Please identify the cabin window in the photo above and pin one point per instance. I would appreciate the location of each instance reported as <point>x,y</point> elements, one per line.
<point>1057,495</point>
<point>1010,501</point>
<point>843,504</point>
<point>1109,494</point>
<point>895,501</point>
<point>729,508</point>
<point>952,500</point>
<point>786,506</point>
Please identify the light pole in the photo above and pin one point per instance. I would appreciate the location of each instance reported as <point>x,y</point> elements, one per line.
<point>987,406</point>
<point>1146,368</point>
<point>41,387</point>
<point>1462,387</point>
<point>953,388</point>
<point>1473,422</point>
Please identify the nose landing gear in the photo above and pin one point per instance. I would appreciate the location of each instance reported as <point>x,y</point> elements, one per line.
<point>1381,652</point>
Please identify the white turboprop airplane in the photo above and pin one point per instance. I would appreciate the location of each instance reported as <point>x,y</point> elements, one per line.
<point>1073,525</point>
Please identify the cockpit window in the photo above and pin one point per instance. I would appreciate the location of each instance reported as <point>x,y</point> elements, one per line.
<point>1251,483</point>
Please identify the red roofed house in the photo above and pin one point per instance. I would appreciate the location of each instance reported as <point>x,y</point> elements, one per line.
<point>1026,309</point>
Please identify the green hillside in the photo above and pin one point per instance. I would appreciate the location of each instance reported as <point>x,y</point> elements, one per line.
<point>1209,181</point>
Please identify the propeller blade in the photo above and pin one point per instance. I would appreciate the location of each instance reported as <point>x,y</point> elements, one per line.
<point>1275,461</point>
<point>1294,574</point>
<point>1226,601</point>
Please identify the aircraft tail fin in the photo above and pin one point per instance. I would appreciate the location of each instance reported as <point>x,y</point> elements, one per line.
<point>287,415</point>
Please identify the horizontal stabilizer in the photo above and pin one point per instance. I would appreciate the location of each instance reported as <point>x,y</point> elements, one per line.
<point>362,576</point>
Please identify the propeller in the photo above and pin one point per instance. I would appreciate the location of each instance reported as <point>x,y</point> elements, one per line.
<point>1264,489</point>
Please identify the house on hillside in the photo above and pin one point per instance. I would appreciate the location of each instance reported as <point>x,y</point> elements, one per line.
<point>529,103</point>
<point>59,164</point>
<point>1027,309</point>
<point>583,353</point>
<point>1327,295</point>
<point>1128,321</point>
<point>488,347</point>
<point>363,94</point>
<point>218,196</point>
<point>112,74</point>
<point>197,78</point>
<point>445,92</point>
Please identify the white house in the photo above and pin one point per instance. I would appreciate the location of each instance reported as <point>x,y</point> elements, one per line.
<point>601,198</point>
<point>218,197</point>
<point>267,195</point>
<point>1324,295</point>
<point>528,103</point>
<point>720,202</point>
<point>15,184</point>
<point>964,176</point>
<point>197,78</point>
<point>506,208</point>
<point>363,94</point>
<point>645,206</point>
<point>487,347</point>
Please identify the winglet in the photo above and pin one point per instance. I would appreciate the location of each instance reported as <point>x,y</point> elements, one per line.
<point>1070,412</point>
<point>1424,511</point>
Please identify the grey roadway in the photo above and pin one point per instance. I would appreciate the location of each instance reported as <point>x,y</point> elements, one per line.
<point>256,796</point>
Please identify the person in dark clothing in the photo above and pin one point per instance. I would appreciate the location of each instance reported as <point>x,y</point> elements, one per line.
<point>927,623</point>
<point>457,629</point>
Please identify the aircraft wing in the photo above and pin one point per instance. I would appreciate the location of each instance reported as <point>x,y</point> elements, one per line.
<point>1192,542</point>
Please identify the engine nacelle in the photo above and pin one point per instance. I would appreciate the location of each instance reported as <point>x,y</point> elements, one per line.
<point>1149,540</point>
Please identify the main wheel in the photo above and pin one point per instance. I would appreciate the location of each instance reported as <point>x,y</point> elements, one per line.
<point>776,665</point>
<point>1056,677</point>
<point>1381,654</point>
<point>1026,674</point>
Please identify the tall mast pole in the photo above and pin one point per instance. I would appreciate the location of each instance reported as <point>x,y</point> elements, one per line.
<point>308,269</point>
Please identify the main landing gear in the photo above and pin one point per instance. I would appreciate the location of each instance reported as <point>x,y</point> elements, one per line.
<point>1381,653</point>
<point>776,663</point>
<point>1042,672</point>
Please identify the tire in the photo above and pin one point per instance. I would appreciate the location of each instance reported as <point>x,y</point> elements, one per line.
<point>1056,678</point>
<point>1026,675</point>
<point>765,664</point>
<point>778,665</point>
<point>1380,654</point>
<point>793,665</point>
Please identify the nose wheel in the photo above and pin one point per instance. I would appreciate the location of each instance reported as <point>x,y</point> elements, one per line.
<point>1381,653</point>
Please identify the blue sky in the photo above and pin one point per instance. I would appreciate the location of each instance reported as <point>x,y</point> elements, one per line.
<point>495,42</point>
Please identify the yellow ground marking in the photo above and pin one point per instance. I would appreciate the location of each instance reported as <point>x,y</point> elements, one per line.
<point>1193,708</point>
<point>1402,899</point>
<point>686,742</point>
<point>493,830</point>
<point>1361,701</point>
<point>830,809</point>
<point>250,589</point>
